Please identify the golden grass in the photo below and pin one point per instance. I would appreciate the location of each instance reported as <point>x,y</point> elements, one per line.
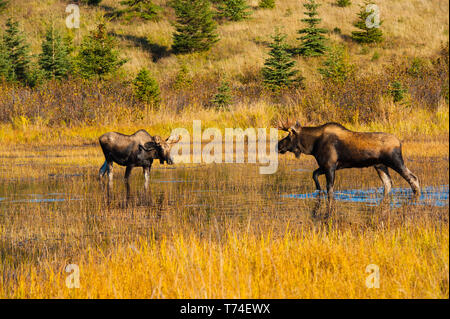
<point>218,231</point>
<point>406,124</point>
<point>413,263</point>
<point>71,113</point>
<point>412,28</point>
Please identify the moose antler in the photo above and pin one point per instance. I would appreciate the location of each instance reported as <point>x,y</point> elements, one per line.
<point>172,140</point>
<point>284,126</point>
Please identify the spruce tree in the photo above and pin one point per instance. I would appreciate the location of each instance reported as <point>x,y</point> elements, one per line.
<point>267,4</point>
<point>278,71</point>
<point>343,3</point>
<point>98,55</point>
<point>55,59</point>
<point>92,2</point>
<point>6,68</point>
<point>370,33</point>
<point>234,10</point>
<point>336,67</point>
<point>144,9</point>
<point>146,88</point>
<point>195,29</point>
<point>313,42</point>
<point>18,51</point>
<point>3,5</point>
<point>223,97</point>
<point>397,91</point>
<point>182,79</point>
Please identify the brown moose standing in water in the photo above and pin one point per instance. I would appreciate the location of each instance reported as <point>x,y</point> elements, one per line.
<point>135,150</point>
<point>336,147</point>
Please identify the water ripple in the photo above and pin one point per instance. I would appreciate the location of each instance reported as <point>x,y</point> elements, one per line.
<point>431,195</point>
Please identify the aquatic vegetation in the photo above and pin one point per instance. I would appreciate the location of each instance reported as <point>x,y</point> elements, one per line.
<point>218,231</point>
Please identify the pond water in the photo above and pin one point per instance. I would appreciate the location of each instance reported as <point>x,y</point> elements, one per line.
<point>47,200</point>
<point>430,195</point>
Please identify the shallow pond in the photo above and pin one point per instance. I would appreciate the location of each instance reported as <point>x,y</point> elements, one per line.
<point>56,203</point>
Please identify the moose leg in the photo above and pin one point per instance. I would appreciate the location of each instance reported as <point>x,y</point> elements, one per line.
<point>127,183</point>
<point>127,173</point>
<point>329,174</point>
<point>383,173</point>
<point>109,170</point>
<point>316,175</point>
<point>398,165</point>
<point>102,170</point>
<point>410,178</point>
<point>146,176</point>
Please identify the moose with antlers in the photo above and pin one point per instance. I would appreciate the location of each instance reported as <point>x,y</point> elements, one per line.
<point>135,150</point>
<point>335,147</point>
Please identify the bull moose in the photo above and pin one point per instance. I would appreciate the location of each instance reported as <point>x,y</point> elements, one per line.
<point>135,150</point>
<point>335,147</point>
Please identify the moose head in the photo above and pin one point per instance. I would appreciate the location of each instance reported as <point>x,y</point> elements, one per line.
<point>159,148</point>
<point>290,143</point>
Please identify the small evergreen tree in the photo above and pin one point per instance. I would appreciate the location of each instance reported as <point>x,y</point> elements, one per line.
<point>313,42</point>
<point>267,4</point>
<point>397,91</point>
<point>98,55</point>
<point>417,68</point>
<point>195,27</point>
<point>146,88</point>
<point>55,59</point>
<point>370,33</point>
<point>343,3</point>
<point>3,5</point>
<point>92,2</point>
<point>6,68</point>
<point>18,51</point>
<point>223,97</point>
<point>336,67</point>
<point>182,79</point>
<point>144,9</point>
<point>234,10</point>
<point>278,71</point>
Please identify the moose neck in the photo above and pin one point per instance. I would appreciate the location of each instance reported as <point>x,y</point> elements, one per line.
<point>307,139</point>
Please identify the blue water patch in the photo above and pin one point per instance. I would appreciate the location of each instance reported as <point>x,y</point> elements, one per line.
<point>173,181</point>
<point>38,198</point>
<point>431,195</point>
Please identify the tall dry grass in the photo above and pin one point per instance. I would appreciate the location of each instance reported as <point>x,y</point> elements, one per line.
<point>328,263</point>
<point>78,111</point>
<point>75,111</point>
<point>214,231</point>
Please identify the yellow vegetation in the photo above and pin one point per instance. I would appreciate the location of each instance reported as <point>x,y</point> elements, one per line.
<point>413,263</point>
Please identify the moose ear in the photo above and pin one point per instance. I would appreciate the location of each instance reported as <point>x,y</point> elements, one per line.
<point>296,128</point>
<point>149,146</point>
<point>157,139</point>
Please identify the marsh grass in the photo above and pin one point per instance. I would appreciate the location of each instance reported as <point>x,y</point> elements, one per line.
<point>223,231</point>
<point>214,231</point>
<point>415,53</point>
